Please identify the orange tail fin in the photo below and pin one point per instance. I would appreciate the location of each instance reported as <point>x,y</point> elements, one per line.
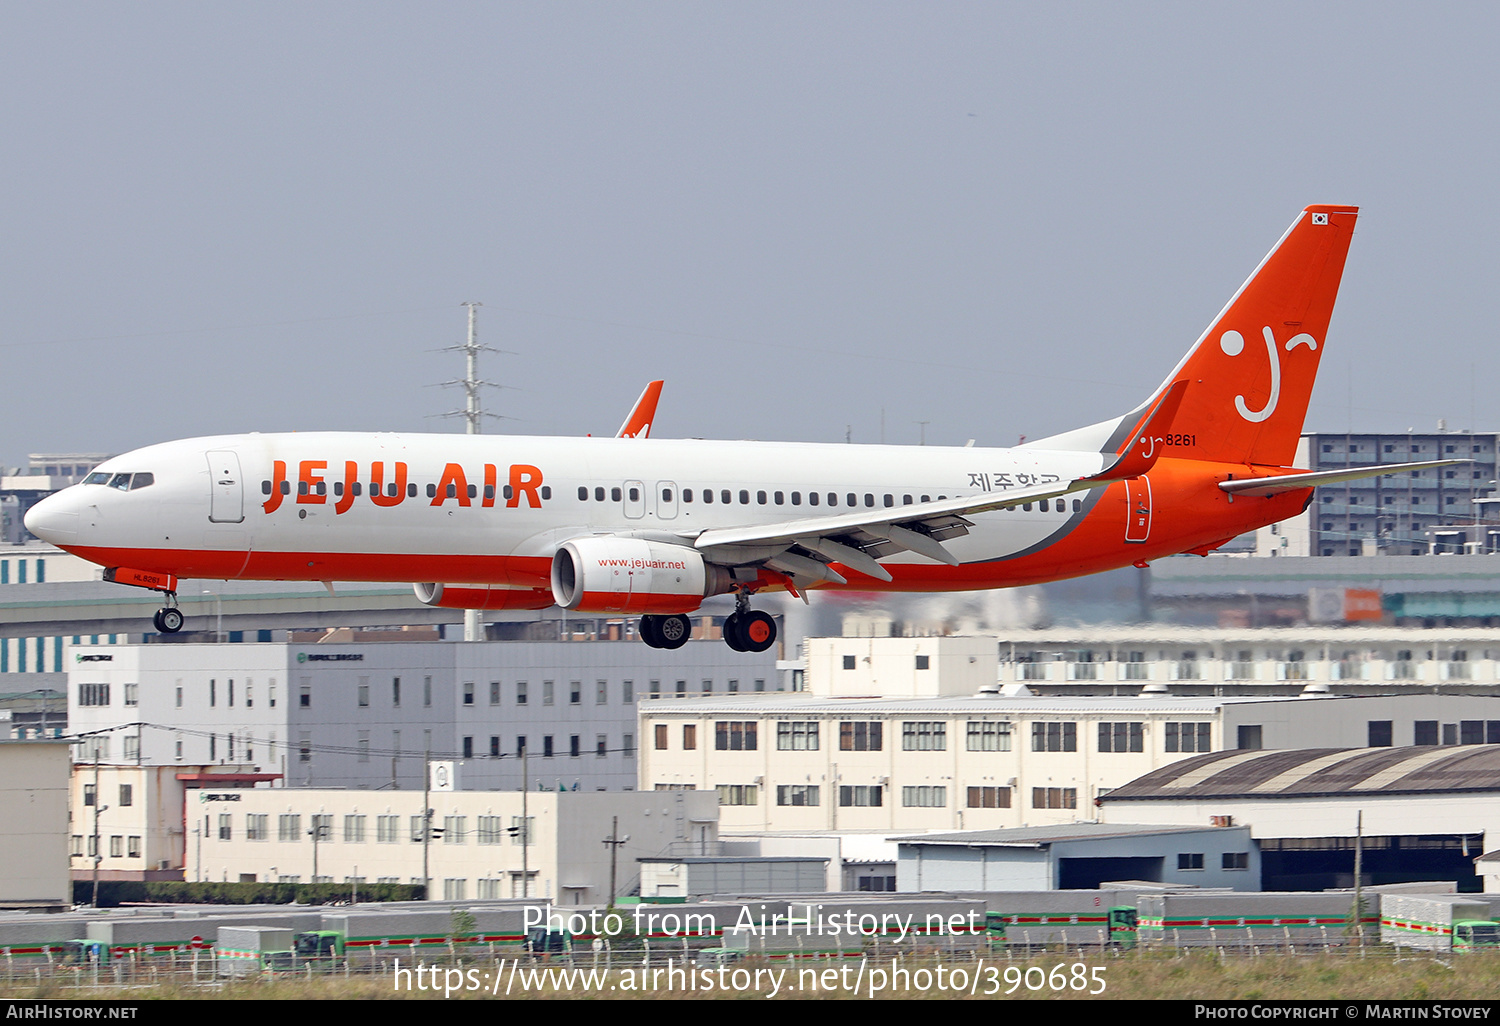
<point>1252,371</point>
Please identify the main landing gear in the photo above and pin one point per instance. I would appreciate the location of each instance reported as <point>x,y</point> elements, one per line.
<point>746,629</point>
<point>168,619</point>
<point>666,631</point>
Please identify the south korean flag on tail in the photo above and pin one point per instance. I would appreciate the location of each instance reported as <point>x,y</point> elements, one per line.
<point>1320,219</point>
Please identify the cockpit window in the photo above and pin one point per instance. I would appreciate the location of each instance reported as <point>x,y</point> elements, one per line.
<point>97,477</point>
<point>124,482</point>
<point>142,481</point>
<point>120,481</point>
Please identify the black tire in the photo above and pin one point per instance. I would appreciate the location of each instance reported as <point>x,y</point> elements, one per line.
<point>757,631</point>
<point>732,636</point>
<point>650,631</point>
<point>156,622</point>
<point>674,631</point>
<point>171,620</point>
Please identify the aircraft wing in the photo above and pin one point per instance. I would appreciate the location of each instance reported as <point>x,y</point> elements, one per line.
<point>858,539</point>
<point>642,414</point>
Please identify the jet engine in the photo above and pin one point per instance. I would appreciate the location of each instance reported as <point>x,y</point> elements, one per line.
<point>483,597</point>
<point>606,574</point>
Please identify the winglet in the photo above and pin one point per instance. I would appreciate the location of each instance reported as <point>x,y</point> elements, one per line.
<point>1144,447</point>
<point>642,414</point>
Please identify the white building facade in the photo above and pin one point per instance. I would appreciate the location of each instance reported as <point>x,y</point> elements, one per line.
<point>365,715</point>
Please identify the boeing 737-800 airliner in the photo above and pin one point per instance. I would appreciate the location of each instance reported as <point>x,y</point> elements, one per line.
<point>647,527</point>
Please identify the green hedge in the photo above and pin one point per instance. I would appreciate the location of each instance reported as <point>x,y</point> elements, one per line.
<point>115,892</point>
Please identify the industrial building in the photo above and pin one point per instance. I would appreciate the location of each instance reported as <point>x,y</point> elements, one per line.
<point>296,835</point>
<point>1078,856</point>
<point>363,715</point>
<point>1416,813</point>
<point>34,811</point>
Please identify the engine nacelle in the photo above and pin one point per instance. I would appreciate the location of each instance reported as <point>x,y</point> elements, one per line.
<point>633,576</point>
<point>483,597</point>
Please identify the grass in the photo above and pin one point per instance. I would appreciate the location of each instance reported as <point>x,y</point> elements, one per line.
<point>1150,975</point>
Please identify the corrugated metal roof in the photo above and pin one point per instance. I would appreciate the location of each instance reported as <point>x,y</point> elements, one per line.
<point>1310,772</point>
<point>1039,836</point>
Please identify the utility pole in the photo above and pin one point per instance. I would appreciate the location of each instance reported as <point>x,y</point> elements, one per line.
<point>98,808</point>
<point>473,417</point>
<point>613,842</point>
<point>426,822</point>
<point>525,826</point>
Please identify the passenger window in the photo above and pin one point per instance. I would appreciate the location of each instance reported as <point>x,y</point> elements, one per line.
<point>1042,505</point>
<point>390,489</point>
<point>614,495</point>
<point>744,497</point>
<point>724,496</point>
<point>812,498</point>
<point>432,491</point>
<point>489,491</point>
<point>599,494</point>
<point>796,498</point>
<point>411,491</point>
<point>708,495</point>
<point>687,495</point>
<point>338,488</point>
<point>322,486</point>
<point>890,500</point>
<point>760,498</point>
<point>583,493</point>
<point>869,499</point>
<point>473,491</point>
<point>780,499</point>
<point>286,487</point>
<point>357,488</point>
<point>1026,507</point>
<point>301,487</point>
<point>546,491</point>
<point>1077,505</point>
<point>666,495</point>
<point>635,495</point>
<point>906,500</point>
<point>853,499</point>
<point>265,487</point>
<point>833,499</point>
<point>453,490</point>
<point>926,498</point>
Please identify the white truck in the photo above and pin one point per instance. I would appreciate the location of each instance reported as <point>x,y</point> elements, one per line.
<point>1438,922</point>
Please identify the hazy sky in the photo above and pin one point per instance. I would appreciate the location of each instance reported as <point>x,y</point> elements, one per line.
<point>1002,219</point>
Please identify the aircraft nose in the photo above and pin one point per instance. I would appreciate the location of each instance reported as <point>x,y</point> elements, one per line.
<point>54,519</point>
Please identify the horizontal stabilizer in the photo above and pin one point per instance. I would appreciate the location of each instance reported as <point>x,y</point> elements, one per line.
<point>1292,482</point>
<point>1145,445</point>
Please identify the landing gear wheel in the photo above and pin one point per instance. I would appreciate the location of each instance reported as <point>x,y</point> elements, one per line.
<point>168,620</point>
<point>156,622</point>
<point>673,631</point>
<point>650,631</point>
<point>732,632</point>
<point>757,631</point>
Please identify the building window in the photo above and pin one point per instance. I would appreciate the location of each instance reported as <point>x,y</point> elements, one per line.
<point>362,693</point>
<point>924,736</point>
<point>453,890</point>
<point>849,662</point>
<point>1188,737</point>
<point>387,829</point>
<point>93,694</point>
<point>127,794</point>
<point>573,745</point>
<point>1379,734</point>
<point>923,796</point>
<point>304,747</point>
<point>689,737</point>
<point>494,746</point>
<point>288,827</point>
<point>117,846</point>
<point>75,847</point>
<point>132,694</point>
<point>1189,860</point>
<point>735,735</point>
<point>548,687</point>
<point>924,662</point>
<point>1425,732</point>
<point>627,745</point>
<point>395,693</point>
<point>226,831</point>
<point>1054,798</point>
<point>797,736</point>
<point>454,828</point>
<point>860,736</point>
<point>660,733</point>
<point>737,794</point>
<point>990,798</point>
<point>1235,860</point>
<point>601,745</point>
<point>1120,737</point>
<point>520,692</point>
<point>797,794</point>
<point>468,749</point>
<point>575,692</point>
<point>985,736</point>
<point>426,691</point>
<point>494,692</point>
<point>90,796</point>
<point>860,796</point>
<point>1248,737</point>
<point>489,830</point>
<point>304,697</point>
<point>546,746</point>
<point>257,827</point>
<point>601,692</point>
<point>627,692</point>
<point>1054,737</point>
